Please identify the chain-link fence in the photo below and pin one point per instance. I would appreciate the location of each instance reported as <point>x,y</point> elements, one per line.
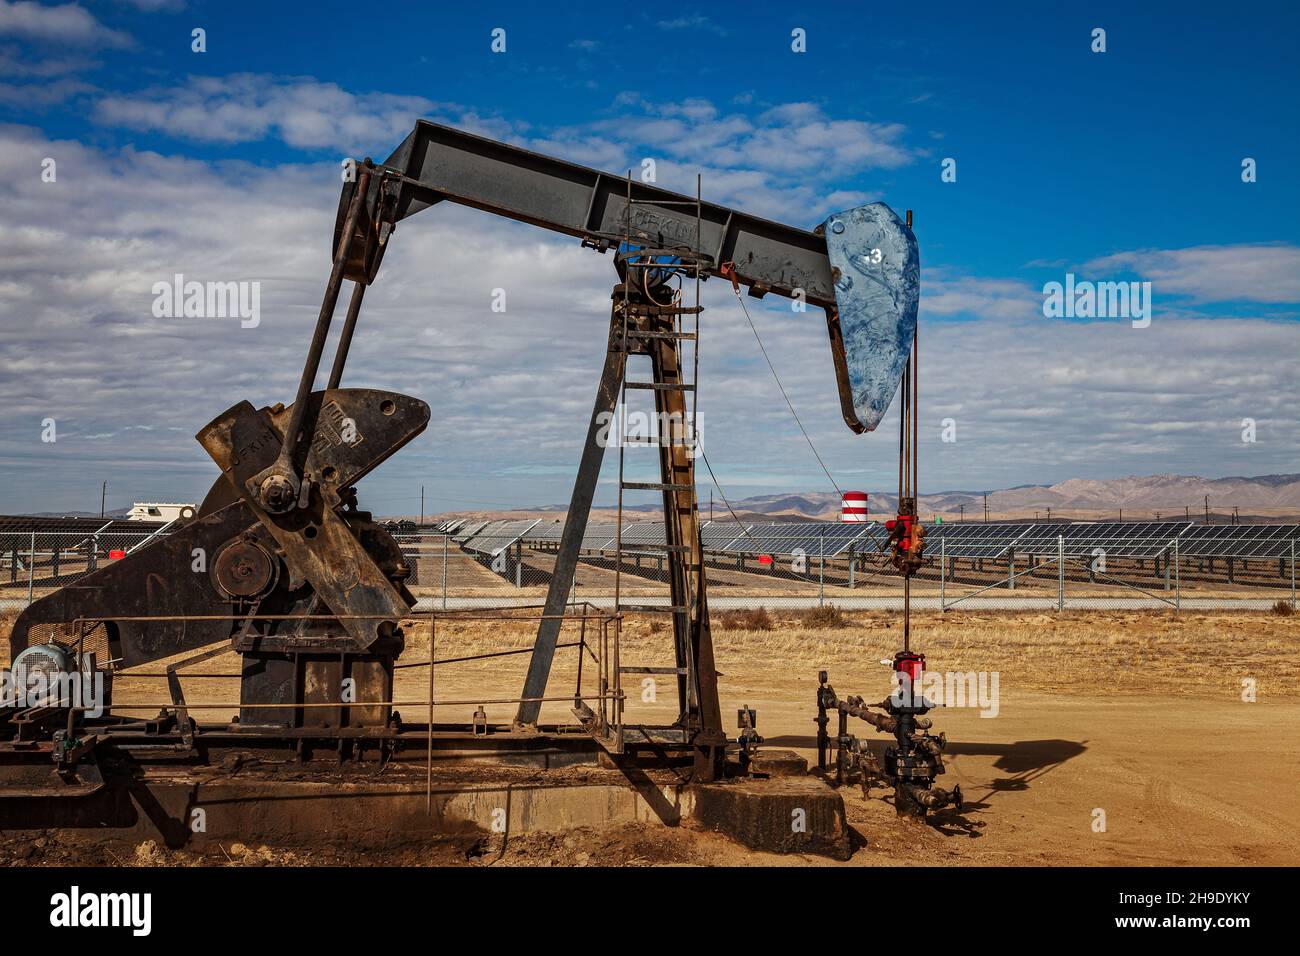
<point>34,563</point>
<point>511,564</point>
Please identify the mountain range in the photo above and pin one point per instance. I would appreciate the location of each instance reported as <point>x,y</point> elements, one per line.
<point>1137,497</point>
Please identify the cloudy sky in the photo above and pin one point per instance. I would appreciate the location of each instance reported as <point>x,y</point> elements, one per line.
<point>223,165</point>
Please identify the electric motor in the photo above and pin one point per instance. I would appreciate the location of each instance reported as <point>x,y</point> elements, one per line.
<point>41,664</point>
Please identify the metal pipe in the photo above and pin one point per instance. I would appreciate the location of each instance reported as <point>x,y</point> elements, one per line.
<point>345,336</point>
<point>1060,572</point>
<point>840,743</point>
<point>451,615</point>
<point>285,460</point>
<point>155,705</point>
<point>428,780</point>
<point>31,569</point>
<point>470,657</point>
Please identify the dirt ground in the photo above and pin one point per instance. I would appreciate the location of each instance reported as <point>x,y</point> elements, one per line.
<point>1135,718</point>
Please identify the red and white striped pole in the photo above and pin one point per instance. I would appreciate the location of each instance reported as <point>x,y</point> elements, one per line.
<point>854,506</point>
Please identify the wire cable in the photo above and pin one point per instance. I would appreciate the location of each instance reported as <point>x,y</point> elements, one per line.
<point>785,395</point>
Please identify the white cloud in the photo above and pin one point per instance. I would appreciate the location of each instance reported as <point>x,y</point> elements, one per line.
<point>782,164</point>
<point>944,294</point>
<point>782,157</point>
<point>1247,272</point>
<point>151,6</point>
<point>1034,400</point>
<point>29,96</point>
<point>692,22</point>
<point>243,107</point>
<point>13,64</point>
<point>69,23</point>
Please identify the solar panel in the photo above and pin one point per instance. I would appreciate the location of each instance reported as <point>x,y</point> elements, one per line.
<point>496,535</point>
<point>828,538</point>
<point>468,531</point>
<point>722,535</point>
<point>547,531</point>
<point>643,532</point>
<point>599,536</point>
<point>1139,539</point>
<point>1239,541</point>
<point>973,540</point>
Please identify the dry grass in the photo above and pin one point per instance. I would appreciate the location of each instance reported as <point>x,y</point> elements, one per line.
<point>756,619</point>
<point>826,617</point>
<point>1283,609</point>
<point>1109,653</point>
<point>1104,653</point>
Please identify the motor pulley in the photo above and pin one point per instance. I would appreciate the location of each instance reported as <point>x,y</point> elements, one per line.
<point>245,569</point>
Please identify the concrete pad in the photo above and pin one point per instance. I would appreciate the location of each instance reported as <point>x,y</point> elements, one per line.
<point>778,815</point>
<point>779,763</point>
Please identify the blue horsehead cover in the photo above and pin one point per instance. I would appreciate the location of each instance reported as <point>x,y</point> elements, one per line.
<point>877,269</point>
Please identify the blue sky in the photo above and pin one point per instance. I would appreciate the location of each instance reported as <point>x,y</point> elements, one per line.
<point>1144,142</point>
<point>1117,165</point>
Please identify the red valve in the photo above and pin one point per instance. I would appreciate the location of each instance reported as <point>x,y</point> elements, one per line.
<point>905,536</point>
<point>910,663</point>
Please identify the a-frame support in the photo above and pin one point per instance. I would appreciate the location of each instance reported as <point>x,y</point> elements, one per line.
<point>650,329</point>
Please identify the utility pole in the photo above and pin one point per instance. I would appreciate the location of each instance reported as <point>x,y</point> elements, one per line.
<point>1121,514</point>
<point>961,510</point>
<point>986,507</point>
<point>422,506</point>
<point>1207,509</point>
<point>103,496</point>
<point>1049,514</point>
<point>710,504</point>
<point>1187,512</point>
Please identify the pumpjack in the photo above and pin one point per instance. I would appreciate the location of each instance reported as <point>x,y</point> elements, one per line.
<point>282,566</point>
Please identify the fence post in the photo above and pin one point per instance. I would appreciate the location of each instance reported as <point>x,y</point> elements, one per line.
<point>31,569</point>
<point>943,573</point>
<point>1178,579</point>
<point>1011,570</point>
<point>821,569</point>
<point>1293,574</point>
<point>446,539</point>
<point>1060,572</point>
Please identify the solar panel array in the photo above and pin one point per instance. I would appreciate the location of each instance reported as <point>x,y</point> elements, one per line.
<point>42,524</point>
<point>781,538</point>
<point>1121,539</point>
